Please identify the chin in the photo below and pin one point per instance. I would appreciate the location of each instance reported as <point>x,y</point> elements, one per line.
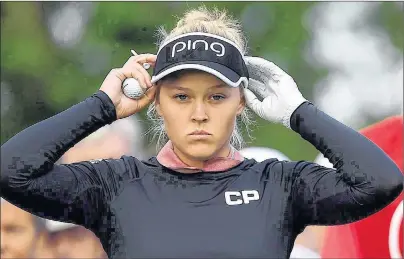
<point>201,151</point>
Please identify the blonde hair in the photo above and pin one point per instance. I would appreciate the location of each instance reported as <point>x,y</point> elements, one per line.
<point>214,21</point>
<point>217,22</point>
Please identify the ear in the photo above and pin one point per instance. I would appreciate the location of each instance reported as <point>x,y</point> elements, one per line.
<point>242,103</point>
<point>157,99</point>
<point>158,108</point>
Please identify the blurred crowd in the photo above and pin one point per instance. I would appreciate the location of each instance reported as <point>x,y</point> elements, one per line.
<point>25,236</point>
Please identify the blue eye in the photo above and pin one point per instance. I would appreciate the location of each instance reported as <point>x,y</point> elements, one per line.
<point>217,97</point>
<point>181,97</point>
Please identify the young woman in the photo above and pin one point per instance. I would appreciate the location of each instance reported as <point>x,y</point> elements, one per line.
<point>199,197</point>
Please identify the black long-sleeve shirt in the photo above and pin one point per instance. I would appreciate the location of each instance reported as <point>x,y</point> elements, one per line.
<point>142,209</point>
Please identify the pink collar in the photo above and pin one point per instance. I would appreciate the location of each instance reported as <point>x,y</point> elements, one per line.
<point>169,159</point>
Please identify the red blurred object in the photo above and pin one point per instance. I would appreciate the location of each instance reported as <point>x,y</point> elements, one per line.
<point>380,235</point>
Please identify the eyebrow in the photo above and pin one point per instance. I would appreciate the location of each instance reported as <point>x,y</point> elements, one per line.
<point>222,85</point>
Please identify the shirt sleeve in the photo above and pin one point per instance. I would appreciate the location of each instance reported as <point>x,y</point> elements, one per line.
<point>364,181</point>
<point>74,193</point>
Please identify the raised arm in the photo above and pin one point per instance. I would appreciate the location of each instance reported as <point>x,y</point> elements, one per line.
<point>365,179</point>
<point>77,192</point>
<point>31,180</point>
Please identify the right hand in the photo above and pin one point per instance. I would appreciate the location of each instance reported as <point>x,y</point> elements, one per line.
<point>133,68</point>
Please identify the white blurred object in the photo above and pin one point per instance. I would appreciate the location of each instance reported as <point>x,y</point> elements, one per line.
<point>146,66</point>
<point>365,76</point>
<point>300,251</point>
<point>67,24</point>
<point>262,153</point>
<point>323,161</point>
<point>132,89</point>
<point>55,226</point>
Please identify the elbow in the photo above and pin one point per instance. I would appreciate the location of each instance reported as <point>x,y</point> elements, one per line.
<point>397,183</point>
<point>12,179</point>
<point>391,185</point>
<point>385,177</point>
<point>17,171</point>
<point>12,186</point>
<point>385,190</point>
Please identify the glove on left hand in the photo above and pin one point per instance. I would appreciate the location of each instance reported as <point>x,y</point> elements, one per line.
<point>279,92</point>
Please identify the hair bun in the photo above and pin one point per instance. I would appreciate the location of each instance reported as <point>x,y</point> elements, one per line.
<point>215,21</point>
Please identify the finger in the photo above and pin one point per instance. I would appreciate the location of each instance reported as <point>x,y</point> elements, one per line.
<point>263,69</point>
<point>146,58</point>
<point>257,69</point>
<point>259,89</point>
<point>142,59</point>
<point>274,67</point>
<point>134,63</point>
<point>131,71</point>
<point>251,100</point>
<point>275,71</point>
<point>145,74</point>
<point>148,97</point>
<point>136,67</point>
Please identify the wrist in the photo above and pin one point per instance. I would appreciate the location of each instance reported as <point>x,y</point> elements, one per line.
<point>108,105</point>
<point>293,105</point>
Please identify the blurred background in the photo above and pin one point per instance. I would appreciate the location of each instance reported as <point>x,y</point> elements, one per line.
<point>346,57</point>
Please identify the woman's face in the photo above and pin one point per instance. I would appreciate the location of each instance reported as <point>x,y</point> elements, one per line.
<point>199,112</point>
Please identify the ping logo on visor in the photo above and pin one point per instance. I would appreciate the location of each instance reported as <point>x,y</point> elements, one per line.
<point>202,51</point>
<point>216,47</point>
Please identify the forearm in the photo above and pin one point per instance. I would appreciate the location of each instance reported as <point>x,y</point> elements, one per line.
<point>366,179</point>
<point>33,152</point>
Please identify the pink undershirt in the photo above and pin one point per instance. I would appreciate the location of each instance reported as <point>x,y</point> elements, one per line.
<point>169,159</point>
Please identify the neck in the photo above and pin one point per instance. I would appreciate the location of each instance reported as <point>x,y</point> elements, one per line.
<point>199,163</point>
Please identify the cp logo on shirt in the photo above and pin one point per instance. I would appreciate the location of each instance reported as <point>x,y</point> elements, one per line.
<point>243,197</point>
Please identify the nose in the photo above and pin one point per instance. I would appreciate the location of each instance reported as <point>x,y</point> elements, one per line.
<point>199,113</point>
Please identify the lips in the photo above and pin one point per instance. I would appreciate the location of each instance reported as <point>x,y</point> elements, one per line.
<point>200,133</point>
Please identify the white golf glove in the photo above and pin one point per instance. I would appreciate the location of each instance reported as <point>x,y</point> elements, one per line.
<point>277,90</point>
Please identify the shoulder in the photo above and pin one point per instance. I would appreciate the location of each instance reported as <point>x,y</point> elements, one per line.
<point>134,168</point>
<point>123,168</point>
<point>114,174</point>
<point>274,168</point>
